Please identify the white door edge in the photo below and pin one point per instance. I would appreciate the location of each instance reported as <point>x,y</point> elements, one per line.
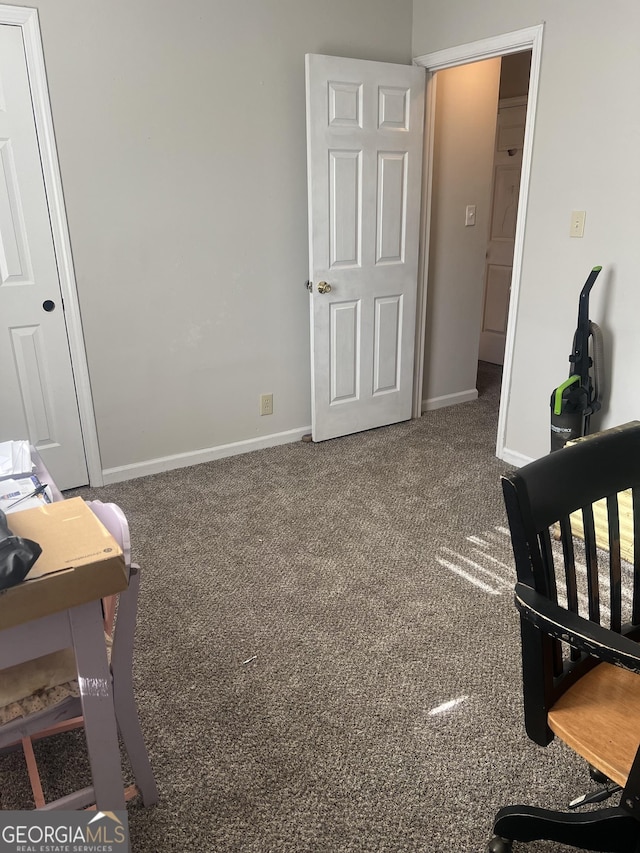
<point>27,19</point>
<point>423,249</point>
<point>489,48</point>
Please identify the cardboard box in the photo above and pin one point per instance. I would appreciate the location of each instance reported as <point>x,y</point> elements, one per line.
<point>80,562</point>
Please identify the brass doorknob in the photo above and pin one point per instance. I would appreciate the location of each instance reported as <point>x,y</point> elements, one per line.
<point>324,287</point>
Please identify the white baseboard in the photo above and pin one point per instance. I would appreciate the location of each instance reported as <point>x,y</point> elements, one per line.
<point>513,457</point>
<point>449,400</point>
<point>195,457</point>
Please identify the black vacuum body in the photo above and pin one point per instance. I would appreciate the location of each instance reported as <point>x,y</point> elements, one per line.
<point>575,400</point>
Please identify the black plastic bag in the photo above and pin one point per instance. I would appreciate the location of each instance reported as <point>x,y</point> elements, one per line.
<point>17,555</point>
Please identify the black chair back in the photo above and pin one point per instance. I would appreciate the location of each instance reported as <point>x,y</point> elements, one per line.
<point>583,572</point>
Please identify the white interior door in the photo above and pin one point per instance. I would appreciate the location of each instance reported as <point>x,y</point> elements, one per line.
<point>364,161</point>
<point>36,377</point>
<point>507,167</point>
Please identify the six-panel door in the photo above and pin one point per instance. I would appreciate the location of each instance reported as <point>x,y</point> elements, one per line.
<point>364,138</point>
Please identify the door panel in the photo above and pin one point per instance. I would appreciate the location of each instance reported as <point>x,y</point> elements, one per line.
<point>15,262</point>
<point>364,160</point>
<point>392,207</point>
<point>496,311</point>
<point>387,349</point>
<point>345,350</point>
<point>506,186</point>
<point>345,209</point>
<point>34,380</point>
<point>38,390</point>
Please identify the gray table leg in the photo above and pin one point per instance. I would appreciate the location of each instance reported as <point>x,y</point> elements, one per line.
<point>97,705</point>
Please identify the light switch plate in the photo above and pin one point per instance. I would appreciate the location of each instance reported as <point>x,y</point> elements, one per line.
<point>577,223</point>
<point>470,215</point>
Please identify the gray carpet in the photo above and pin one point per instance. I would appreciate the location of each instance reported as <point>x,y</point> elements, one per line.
<point>306,612</point>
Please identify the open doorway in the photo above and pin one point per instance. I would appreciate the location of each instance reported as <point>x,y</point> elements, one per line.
<point>453,306</point>
<point>479,125</point>
<point>464,126</point>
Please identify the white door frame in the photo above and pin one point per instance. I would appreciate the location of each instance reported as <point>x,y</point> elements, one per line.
<point>514,42</point>
<point>27,20</point>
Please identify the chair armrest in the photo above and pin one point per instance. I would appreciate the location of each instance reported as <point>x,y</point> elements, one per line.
<point>589,637</point>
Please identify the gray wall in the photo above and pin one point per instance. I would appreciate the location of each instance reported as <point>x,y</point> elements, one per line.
<point>584,158</point>
<point>181,137</point>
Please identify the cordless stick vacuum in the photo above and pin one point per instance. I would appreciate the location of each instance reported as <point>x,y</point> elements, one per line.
<point>573,402</point>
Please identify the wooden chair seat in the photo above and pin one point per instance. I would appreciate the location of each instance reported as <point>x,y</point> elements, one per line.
<point>599,718</point>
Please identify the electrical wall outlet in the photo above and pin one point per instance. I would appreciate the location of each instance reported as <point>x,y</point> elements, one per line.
<point>266,404</point>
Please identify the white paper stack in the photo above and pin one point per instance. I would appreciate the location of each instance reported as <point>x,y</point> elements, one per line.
<point>15,458</point>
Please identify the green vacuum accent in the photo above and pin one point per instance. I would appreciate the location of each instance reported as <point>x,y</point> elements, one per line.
<point>557,407</point>
<point>580,396</point>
